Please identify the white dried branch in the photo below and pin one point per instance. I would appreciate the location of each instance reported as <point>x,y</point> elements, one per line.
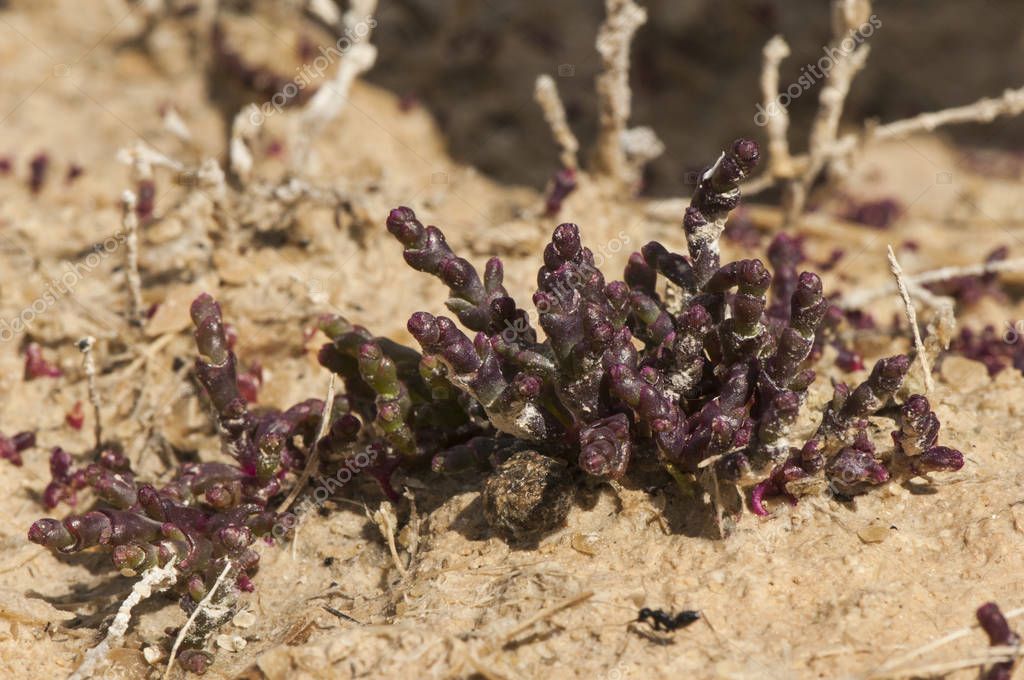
<point>153,580</point>
<point>143,158</point>
<point>85,346</point>
<point>130,223</point>
<point>858,299</point>
<point>244,129</point>
<point>776,115</point>
<point>614,39</point>
<point>1009,104</point>
<point>908,305</point>
<point>386,521</point>
<point>329,100</point>
<point>326,10</point>
<point>202,605</point>
<point>312,465</point>
<point>831,100</point>
<point>640,146</point>
<point>546,93</point>
<point>176,125</point>
<point>885,670</point>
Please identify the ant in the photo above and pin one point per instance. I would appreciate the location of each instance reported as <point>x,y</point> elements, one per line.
<point>661,620</point>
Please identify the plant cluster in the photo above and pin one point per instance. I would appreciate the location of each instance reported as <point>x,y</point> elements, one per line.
<point>707,377</point>
<point>712,374</point>
<point>209,515</point>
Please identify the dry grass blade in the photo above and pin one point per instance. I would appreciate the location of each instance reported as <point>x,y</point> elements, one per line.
<point>313,464</point>
<point>908,305</point>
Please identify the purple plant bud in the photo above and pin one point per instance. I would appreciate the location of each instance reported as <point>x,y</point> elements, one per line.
<point>812,456</point>
<point>494,276</point>
<point>403,224</point>
<point>639,275</point>
<point>23,440</point>
<point>195,660</point>
<point>919,427</point>
<point>135,558</point>
<point>528,386</point>
<point>38,169</point>
<point>995,626</point>
<point>937,459</point>
<point>51,534</point>
<point>235,538</point>
<point>566,241</point>
<point>775,485</point>
<point>878,214</point>
<point>112,487</point>
<point>606,447</point>
<point>145,202</point>
<point>871,395</point>
<point>562,184</point>
<point>855,468</point>
<point>149,499</point>
<point>999,634</point>
<point>36,366</point>
<point>423,327</point>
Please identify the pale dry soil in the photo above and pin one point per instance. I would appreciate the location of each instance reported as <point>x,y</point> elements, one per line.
<point>819,590</point>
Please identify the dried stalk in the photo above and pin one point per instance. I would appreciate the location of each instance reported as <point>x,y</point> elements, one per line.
<point>546,93</point>
<point>203,604</point>
<point>153,580</point>
<point>847,19</point>
<point>858,299</point>
<point>130,222</point>
<point>85,346</point>
<point>329,101</point>
<point>777,117</point>
<point>908,305</point>
<point>614,38</point>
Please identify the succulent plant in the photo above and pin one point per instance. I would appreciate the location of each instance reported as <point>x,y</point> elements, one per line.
<point>708,376</point>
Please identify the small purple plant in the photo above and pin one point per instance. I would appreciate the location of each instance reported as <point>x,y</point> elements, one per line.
<point>208,514</point>
<point>12,447</point>
<point>715,377</point>
<point>37,366</point>
<point>709,379</point>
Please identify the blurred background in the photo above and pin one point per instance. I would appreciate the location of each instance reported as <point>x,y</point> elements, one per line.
<point>696,65</point>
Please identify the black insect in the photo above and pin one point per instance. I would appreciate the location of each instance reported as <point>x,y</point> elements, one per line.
<point>664,621</point>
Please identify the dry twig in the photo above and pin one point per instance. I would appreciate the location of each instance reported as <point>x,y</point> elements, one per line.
<point>153,580</point>
<point>614,38</point>
<point>546,93</point>
<point>776,115</point>
<point>329,101</point>
<point>313,463</point>
<point>908,305</point>
<point>130,222</point>
<point>203,604</point>
<point>85,346</point>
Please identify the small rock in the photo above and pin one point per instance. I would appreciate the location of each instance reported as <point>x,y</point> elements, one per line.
<point>244,619</point>
<point>588,544</point>
<point>231,643</point>
<point>152,655</point>
<point>874,533</point>
<point>529,494</point>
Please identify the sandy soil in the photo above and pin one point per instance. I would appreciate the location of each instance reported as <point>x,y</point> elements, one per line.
<point>820,590</point>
